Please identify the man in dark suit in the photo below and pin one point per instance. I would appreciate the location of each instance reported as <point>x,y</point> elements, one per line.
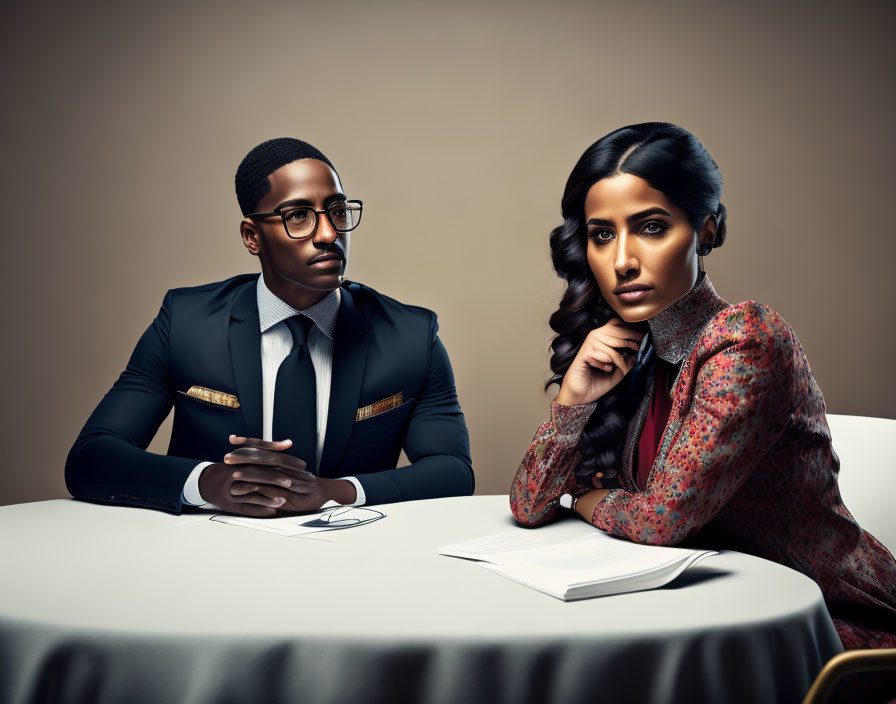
<point>289,389</point>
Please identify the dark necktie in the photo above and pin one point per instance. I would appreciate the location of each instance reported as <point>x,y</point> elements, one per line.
<point>295,396</point>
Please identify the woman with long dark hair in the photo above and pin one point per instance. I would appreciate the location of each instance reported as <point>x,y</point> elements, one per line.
<point>679,415</point>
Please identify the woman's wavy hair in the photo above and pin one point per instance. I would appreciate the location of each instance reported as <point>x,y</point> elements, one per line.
<point>671,160</point>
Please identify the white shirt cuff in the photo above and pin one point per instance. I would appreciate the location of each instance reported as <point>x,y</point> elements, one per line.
<point>191,495</point>
<point>361,497</point>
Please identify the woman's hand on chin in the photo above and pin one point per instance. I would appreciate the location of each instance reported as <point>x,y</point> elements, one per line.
<point>600,363</point>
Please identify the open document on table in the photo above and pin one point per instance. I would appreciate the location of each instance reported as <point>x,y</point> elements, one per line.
<point>593,565</point>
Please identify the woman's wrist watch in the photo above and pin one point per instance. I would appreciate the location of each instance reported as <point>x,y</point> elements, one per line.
<point>568,501</point>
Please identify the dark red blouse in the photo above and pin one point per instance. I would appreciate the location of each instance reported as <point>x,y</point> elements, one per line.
<point>655,423</point>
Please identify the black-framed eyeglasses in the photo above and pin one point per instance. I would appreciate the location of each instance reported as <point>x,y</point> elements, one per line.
<point>300,221</point>
<point>344,517</point>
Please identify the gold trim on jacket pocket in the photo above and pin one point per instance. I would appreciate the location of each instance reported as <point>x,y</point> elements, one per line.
<point>212,397</point>
<point>374,409</point>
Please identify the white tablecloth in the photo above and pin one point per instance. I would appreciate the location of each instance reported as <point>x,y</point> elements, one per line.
<point>109,604</point>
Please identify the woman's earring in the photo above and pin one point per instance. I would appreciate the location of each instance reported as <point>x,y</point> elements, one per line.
<point>704,249</point>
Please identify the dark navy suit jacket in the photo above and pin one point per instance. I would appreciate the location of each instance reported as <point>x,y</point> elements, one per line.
<point>209,336</point>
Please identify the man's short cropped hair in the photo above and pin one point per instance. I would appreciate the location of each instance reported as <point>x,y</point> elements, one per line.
<point>252,174</point>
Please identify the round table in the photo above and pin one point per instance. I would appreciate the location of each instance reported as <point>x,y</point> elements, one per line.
<point>112,604</point>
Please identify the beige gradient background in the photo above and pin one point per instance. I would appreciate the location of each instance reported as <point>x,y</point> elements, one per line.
<point>457,124</point>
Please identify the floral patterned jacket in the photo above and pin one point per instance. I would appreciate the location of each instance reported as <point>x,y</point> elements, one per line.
<point>745,462</point>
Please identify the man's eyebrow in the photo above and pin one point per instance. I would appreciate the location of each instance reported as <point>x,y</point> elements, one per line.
<point>298,202</point>
<point>631,218</point>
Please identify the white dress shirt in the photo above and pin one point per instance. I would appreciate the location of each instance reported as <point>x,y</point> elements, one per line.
<point>276,344</point>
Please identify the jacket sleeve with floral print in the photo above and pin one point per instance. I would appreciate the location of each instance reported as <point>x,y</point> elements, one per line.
<point>731,403</point>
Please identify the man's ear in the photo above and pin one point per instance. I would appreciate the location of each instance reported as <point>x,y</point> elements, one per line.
<point>249,233</point>
<point>707,234</point>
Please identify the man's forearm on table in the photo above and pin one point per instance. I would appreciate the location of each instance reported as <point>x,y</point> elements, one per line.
<point>428,478</point>
<point>106,468</point>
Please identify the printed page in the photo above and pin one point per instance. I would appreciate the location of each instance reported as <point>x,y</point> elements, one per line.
<point>567,582</point>
<point>491,547</point>
<point>596,564</point>
<point>599,556</point>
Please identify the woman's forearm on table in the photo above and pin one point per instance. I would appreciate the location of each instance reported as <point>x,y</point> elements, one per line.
<point>547,470</point>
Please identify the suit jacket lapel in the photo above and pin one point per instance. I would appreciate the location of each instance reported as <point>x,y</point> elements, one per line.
<point>245,354</point>
<point>350,343</point>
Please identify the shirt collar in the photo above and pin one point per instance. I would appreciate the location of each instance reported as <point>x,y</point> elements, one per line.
<point>273,310</point>
<point>675,330</point>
